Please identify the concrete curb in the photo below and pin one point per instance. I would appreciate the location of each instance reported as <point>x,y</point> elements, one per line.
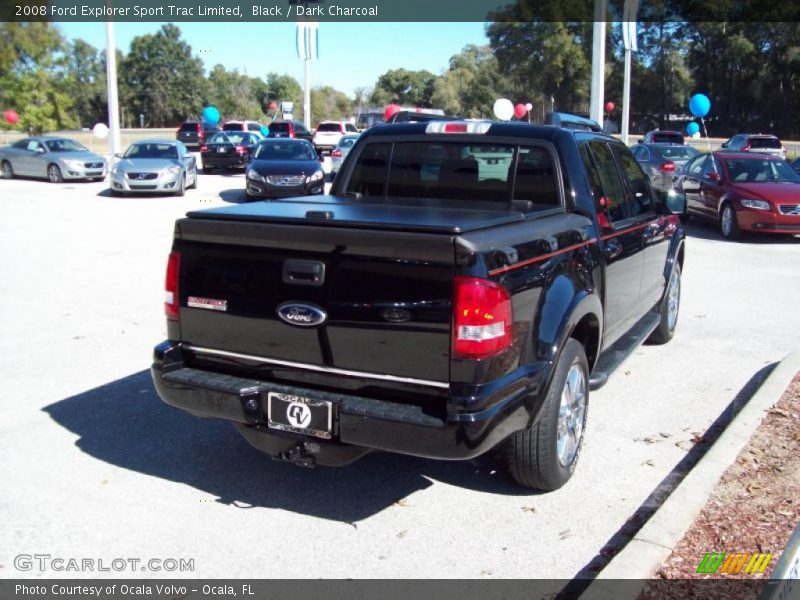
<point>642,556</point>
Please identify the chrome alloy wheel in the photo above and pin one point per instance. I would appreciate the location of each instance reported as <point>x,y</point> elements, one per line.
<point>673,300</point>
<point>727,221</point>
<point>570,415</point>
<point>53,174</point>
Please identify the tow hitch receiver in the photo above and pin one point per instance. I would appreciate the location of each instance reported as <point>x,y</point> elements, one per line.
<point>301,454</point>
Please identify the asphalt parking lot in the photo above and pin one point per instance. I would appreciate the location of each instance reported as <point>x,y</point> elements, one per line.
<point>96,466</point>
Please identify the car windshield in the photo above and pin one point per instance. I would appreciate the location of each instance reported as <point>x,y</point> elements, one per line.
<point>678,152</point>
<point>64,146</point>
<point>152,151</point>
<point>761,171</point>
<point>765,142</point>
<point>285,150</point>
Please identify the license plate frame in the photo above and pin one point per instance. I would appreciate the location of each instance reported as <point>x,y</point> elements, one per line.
<point>319,415</point>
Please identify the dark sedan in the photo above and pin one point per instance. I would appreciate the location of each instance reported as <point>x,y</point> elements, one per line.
<point>284,167</point>
<point>741,192</point>
<point>661,161</point>
<point>229,149</point>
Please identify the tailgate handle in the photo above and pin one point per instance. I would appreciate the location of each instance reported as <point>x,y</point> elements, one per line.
<point>303,272</point>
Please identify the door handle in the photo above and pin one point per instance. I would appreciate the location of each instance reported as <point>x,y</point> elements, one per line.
<point>651,231</point>
<point>612,249</point>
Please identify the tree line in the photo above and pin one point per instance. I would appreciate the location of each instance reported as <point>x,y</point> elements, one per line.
<point>751,72</point>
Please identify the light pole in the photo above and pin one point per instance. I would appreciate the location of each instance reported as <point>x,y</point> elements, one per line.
<point>598,62</point>
<point>113,99</point>
<point>307,49</point>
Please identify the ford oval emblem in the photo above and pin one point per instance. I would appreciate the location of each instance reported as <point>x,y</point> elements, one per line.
<point>301,314</point>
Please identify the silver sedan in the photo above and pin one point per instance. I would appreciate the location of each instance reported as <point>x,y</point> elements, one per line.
<point>340,151</point>
<point>52,158</point>
<point>154,167</point>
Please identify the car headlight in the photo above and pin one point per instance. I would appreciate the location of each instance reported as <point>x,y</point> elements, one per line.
<point>173,170</point>
<point>318,176</point>
<point>759,204</point>
<point>252,174</point>
<point>71,162</point>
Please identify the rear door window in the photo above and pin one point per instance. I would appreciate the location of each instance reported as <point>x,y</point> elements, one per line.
<point>637,185</point>
<point>611,187</point>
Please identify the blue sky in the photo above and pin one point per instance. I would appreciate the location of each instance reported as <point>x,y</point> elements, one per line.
<point>351,54</point>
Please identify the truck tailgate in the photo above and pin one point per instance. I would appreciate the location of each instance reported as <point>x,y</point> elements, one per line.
<point>386,294</point>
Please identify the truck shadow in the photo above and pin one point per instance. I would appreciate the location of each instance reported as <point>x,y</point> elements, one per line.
<point>124,423</point>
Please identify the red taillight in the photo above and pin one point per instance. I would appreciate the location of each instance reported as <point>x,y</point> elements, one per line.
<point>482,318</point>
<point>746,147</point>
<point>203,148</point>
<point>336,153</point>
<point>668,166</point>
<point>291,131</point>
<point>171,297</point>
<point>241,149</point>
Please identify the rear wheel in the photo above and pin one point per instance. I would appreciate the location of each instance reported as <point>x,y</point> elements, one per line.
<point>6,170</point>
<point>545,455</point>
<point>207,170</point>
<point>54,174</point>
<point>668,310</point>
<point>728,224</point>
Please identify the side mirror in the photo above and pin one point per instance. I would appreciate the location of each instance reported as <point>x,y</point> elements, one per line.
<point>724,145</point>
<point>672,202</point>
<point>119,155</point>
<point>40,150</point>
<point>713,176</point>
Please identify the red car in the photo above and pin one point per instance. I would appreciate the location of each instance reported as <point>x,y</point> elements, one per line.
<point>741,191</point>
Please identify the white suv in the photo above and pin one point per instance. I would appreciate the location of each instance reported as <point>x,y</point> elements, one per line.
<point>328,133</point>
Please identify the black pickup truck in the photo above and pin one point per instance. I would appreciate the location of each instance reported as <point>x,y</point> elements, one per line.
<point>461,289</point>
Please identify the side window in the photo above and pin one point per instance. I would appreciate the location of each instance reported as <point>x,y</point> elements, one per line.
<point>696,168</point>
<point>712,166</point>
<point>21,145</point>
<point>536,180</point>
<point>639,195</point>
<point>611,187</point>
<point>33,146</point>
<point>351,128</point>
<point>369,174</point>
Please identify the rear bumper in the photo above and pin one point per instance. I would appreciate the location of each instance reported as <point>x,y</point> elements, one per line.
<point>360,424</point>
<point>225,160</point>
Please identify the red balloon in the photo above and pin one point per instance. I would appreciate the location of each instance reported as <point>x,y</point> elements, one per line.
<point>609,106</point>
<point>11,116</point>
<point>390,110</point>
<point>520,111</point>
<point>272,106</point>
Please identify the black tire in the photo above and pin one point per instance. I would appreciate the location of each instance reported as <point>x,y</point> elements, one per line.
<point>207,170</point>
<point>181,189</point>
<point>731,232</point>
<point>54,174</point>
<point>532,455</point>
<point>666,328</point>
<point>6,170</point>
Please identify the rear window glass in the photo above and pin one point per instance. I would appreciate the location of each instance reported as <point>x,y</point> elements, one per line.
<point>667,138</point>
<point>458,171</point>
<point>279,128</point>
<point>329,127</point>
<point>189,127</point>
<point>232,127</point>
<point>678,152</point>
<point>765,142</point>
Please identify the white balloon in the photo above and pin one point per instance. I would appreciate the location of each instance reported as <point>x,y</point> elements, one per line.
<point>503,109</point>
<point>100,130</point>
<point>696,135</point>
<point>529,107</point>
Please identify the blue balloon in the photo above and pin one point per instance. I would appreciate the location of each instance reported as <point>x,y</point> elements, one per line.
<point>699,105</point>
<point>210,115</point>
<point>264,130</point>
<point>692,128</point>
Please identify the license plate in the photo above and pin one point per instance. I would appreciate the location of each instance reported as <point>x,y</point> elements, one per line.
<point>299,415</point>
<point>222,150</point>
